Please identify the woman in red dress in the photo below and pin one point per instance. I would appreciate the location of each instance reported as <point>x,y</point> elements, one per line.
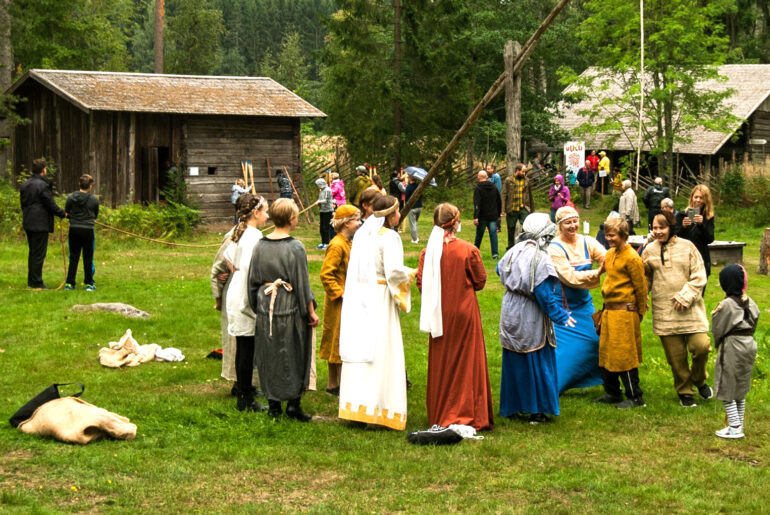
<point>450,272</point>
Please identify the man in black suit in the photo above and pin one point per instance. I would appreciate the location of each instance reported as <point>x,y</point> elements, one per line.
<point>38,209</point>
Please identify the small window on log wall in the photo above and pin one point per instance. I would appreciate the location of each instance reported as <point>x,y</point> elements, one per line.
<point>212,170</point>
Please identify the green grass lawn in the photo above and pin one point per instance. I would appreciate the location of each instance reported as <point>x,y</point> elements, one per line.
<point>195,452</point>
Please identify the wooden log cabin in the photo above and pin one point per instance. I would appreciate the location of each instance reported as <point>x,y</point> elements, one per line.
<point>127,129</point>
<point>702,152</point>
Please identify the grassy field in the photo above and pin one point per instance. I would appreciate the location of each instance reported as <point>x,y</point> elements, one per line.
<point>195,453</point>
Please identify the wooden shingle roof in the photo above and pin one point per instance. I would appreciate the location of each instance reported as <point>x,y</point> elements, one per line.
<point>751,85</point>
<point>178,94</point>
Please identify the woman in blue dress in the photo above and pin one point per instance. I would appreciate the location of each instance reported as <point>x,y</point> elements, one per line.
<point>573,256</point>
<point>528,385</point>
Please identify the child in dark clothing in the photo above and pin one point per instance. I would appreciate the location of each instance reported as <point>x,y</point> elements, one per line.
<point>83,208</point>
<point>733,322</point>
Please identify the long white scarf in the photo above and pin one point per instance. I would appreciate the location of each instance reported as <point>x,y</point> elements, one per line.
<point>360,294</point>
<point>431,320</point>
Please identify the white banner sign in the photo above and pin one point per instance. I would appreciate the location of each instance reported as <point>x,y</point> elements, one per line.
<point>574,155</point>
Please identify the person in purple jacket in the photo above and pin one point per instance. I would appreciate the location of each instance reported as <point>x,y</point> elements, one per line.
<point>558,195</point>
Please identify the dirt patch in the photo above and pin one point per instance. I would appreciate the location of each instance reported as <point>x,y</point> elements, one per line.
<point>309,487</point>
<point>207,389</point>
<point>735,454</point>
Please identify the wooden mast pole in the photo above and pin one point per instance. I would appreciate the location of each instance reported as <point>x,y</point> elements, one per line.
<point>490,95</point>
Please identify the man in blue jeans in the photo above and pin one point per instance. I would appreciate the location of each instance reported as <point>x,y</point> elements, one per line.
<point>487,206</point>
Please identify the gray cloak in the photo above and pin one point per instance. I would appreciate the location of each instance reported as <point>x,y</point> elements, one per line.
<point>735,353</point>
<point>283,358</point>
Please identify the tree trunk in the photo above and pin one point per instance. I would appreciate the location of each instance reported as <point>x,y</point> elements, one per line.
<point>512,108</point>
<point>764,253</point>
<point>490,95</point>
<point>397,84</point>
<point>160,13</point>
<point>6,68</point>
<point>668,130</point>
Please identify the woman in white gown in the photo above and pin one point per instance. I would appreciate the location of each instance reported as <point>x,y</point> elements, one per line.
<point>373,380</point>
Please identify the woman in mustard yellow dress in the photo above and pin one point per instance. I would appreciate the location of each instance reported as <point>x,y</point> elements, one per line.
<point>347,219</point>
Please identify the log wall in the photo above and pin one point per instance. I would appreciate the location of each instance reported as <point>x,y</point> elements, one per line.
<point>121,150</point>
<point>223,142</point>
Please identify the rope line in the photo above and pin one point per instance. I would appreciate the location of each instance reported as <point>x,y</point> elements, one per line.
<point>155,240</point>
<point>170,243</point>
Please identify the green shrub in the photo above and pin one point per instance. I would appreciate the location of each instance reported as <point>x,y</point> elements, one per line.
<point>732,190</point>
<point>10,210</point>
<point>176,189</point>
<point>153,220</point>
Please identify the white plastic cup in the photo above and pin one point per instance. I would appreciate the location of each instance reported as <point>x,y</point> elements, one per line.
<point>586,228</point>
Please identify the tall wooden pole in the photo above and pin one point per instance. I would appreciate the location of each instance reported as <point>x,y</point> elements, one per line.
<point>490,95</point>
<point>512,107</point>
<point>160,13</point>
<point>6,68</point>
<point>397,84</point>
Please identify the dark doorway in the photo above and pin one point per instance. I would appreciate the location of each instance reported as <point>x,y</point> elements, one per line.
<point>164,164</point>
<point>148,179</point>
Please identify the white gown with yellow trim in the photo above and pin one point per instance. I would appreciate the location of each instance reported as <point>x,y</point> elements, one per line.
<point>374,392</point>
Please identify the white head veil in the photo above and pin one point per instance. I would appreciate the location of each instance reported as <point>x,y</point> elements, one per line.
<point>360,292</point>
<point>539,228</point>
<point>430,309</point>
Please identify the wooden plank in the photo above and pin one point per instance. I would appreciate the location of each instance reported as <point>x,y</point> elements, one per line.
<point>133,189</point>
<point>296,194</point>
<point>270,177</point>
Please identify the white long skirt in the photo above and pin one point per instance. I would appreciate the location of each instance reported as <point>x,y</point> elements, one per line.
<point>375,392</point>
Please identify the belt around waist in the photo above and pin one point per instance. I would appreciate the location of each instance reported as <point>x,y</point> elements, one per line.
<point>741,332</point>
<point>620,306</point>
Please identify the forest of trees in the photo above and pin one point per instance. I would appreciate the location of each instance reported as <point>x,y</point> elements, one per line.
<point>342,56</point>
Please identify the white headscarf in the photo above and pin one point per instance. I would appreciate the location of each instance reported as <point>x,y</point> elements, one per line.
<point>431,320</point>
<point>360,293</point>
<point>538,227</point>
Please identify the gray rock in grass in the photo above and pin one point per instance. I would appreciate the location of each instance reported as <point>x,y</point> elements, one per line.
<point>113,307</point>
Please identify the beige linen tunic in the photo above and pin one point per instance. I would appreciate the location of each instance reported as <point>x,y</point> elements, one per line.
<point>682,277</point>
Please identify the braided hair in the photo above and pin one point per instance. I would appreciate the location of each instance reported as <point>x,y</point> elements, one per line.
<point>246,204</point>
<point>446,216</point>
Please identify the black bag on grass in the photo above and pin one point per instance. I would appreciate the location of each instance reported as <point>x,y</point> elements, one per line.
<point>436,435</point>
<point>49,394</point>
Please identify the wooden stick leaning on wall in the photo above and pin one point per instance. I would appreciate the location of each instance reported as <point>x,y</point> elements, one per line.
<point>251,176</point>
<point>245,173</point>
<point>270,178</point>
<point>496,88</point>
<point>296,193</point>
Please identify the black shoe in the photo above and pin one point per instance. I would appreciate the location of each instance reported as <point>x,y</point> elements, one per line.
<point>246,402</point>
<point>631,403</point>
<point>294,410</point>
<point>609,399</point>
<point>274,409</point>
<point>538,418</point>
<point>334,391</point>
<point>705,391</point>
<point>687,401</point>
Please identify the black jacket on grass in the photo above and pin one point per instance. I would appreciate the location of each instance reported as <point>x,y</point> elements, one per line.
<point>82,208</point>
<point>37,205</point>
<point>487,204</point>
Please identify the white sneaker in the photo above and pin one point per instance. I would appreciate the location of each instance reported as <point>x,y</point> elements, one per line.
<point>730,432</point>
<point>415,241</point>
